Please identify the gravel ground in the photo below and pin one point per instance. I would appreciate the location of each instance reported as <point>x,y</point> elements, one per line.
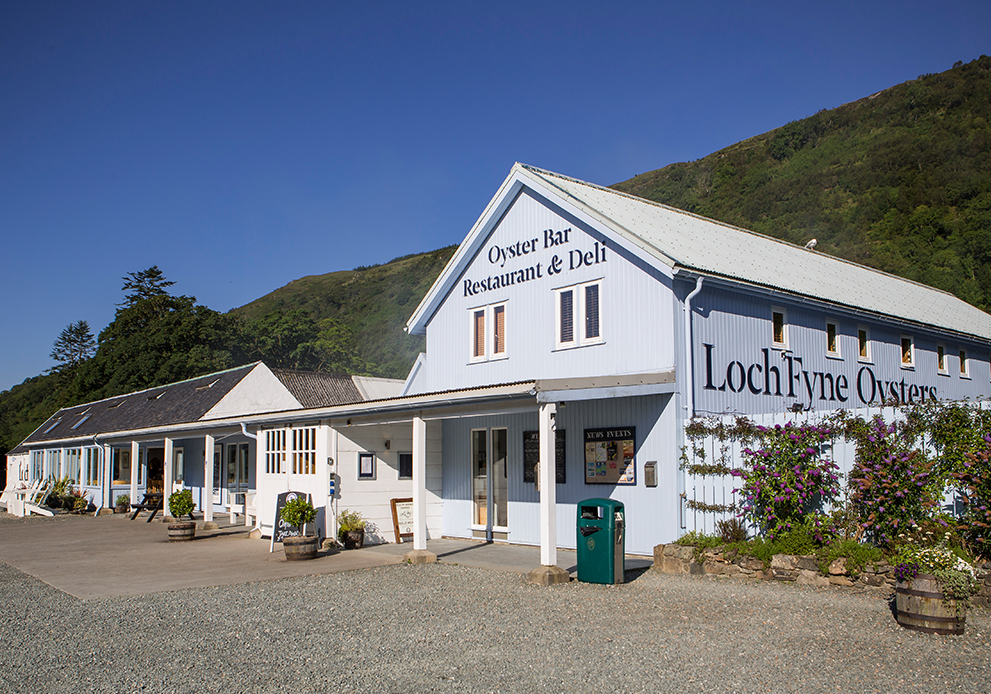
<point>443,628</point>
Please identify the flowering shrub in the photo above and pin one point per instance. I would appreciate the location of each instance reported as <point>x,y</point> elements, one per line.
<point>787,481</point>
<point>974,488</point>
<point>891,485</point>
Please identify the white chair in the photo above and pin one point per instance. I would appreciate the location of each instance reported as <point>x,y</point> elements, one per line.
<point>35,503</point>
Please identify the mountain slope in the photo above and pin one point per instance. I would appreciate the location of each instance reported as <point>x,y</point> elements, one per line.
<point>899,180</point>
<point>375,302</point>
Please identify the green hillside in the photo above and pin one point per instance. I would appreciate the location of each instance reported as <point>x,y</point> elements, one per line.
<point>375,302</point>
<point>899,180</point>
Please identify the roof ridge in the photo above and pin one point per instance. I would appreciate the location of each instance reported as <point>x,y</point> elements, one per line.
<point>751,232</point>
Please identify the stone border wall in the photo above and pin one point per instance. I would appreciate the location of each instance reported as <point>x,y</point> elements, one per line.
<point>803,570</point>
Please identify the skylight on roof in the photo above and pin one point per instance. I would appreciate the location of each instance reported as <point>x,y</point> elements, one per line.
<point>79,423</point>
<point>53,425</point>
<point>208,386</point>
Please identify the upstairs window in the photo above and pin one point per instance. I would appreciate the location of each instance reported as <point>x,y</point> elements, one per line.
<point>832,340</point>
<point>941,360</point>
<point>908,352</point>
<point>578,315</point>
<point>779,329</point>
<point>964,364</point>
<point>488,332</point>
<point>863,344</point>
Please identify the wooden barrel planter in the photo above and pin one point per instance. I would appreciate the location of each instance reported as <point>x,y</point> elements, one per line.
<point>919,605</point>
<point>301,548</point>
<point>354,539</point>
<point>182,531</point>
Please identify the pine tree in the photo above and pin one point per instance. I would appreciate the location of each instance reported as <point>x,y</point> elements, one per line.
<point>73,346</point>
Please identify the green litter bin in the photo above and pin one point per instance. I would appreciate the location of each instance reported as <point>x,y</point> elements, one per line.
<point>601,541</point>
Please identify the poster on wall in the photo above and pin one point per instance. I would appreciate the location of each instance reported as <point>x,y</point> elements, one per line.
<point>531,456</point>
<point>610,455</point>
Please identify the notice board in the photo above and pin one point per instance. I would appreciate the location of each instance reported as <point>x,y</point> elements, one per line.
<point>610,455</point>
<point>281,529</point>
<point>531,456</point>
<point>402,519</point>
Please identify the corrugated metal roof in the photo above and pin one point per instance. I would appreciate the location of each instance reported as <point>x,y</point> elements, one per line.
<point>684,240</point>
<point>175,403</point>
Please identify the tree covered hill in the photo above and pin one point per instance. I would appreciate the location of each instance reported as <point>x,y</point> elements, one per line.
<point>373,303</point>
<point>899,180</point>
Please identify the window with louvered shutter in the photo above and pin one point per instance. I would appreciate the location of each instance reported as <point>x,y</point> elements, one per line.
<point>499,322</point>
<point>478,342</point>
<point>567,327</point>
<point>591,311</point>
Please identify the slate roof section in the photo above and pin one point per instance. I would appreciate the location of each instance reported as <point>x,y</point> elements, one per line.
<point>313,389</point>
<point>176,403</point>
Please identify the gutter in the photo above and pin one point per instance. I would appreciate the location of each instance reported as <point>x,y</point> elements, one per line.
<point>689,357</point>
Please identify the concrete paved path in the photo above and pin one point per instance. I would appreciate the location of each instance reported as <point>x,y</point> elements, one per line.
<point>110,556</point>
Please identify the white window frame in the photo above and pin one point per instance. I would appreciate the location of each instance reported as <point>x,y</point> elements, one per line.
<point>579,316</point>
<point>488,328</point>
<point>835,353</point>
<point>964,364</point>
<point>783,344</point>
<point>942,367</point>
<point>866,358</point>
<point>911,351</point>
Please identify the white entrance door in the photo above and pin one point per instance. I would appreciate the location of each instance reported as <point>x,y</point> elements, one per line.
<point>490,482</point>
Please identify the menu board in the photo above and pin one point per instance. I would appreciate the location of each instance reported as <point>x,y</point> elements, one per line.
<point>402,519</point>
<point>610,455</point>
<point>281,529</point>
<point>531,456</point>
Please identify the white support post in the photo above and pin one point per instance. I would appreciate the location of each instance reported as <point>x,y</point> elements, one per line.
<point>419,554</point>
<point>135,461</point>
<point>208,479</point>
<point>548,488</point>
<point>548,573</point>
<point>106,472</point>
<point>167,476</point>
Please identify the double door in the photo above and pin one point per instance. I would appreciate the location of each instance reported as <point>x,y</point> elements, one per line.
<point>490,482</point>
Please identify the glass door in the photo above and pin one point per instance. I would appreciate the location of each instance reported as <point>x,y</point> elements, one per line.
<point>490,479</point>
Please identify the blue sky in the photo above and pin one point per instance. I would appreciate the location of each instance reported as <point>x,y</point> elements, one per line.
<point>241,145</point>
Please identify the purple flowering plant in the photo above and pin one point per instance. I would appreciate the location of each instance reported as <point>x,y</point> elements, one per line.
<point>973,485</point>
<point>892,485</point>
<point>787,479</point>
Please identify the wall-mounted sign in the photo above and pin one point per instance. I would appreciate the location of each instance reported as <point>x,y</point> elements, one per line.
<point>559,257</point>
<point>787,377</point>
<point>531,456</point>
<point>610,455</point>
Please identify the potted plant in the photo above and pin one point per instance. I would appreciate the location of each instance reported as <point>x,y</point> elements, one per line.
<point>298,512</point>
<point>351,529</point>
<point>934,586</point>
<point>123,504</point>
<point>181,504</point>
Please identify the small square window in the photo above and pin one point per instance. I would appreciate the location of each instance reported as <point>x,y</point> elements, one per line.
<point>863,344</point>
<point>405,466</point>
<point>778,326</point>
<point>908,352</point>
<point>832,340</point>
<point>941,359</point>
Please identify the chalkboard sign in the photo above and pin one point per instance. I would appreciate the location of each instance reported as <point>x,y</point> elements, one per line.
<point>531,456</point>
<point>281,529</point>
<point>402,519</point>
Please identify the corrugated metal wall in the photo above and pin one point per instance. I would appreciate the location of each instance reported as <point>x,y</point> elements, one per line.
<point>652,512</point>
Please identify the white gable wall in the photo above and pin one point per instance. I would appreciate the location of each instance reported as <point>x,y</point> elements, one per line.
<point>636,303</point>
<point>259,391</point>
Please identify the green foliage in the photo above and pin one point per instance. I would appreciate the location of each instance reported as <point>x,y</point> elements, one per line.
<point>298,512</point>
<point>973,482</point>
<point>858,555</point>
<point>181,503</point>
<point>350,520</point>
<point>732,530</point>
<point>123,500</point>
<point>899,180</point>
<point>74,345</point>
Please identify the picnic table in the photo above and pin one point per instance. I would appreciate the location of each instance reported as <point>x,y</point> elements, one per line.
<point>153,502</point>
